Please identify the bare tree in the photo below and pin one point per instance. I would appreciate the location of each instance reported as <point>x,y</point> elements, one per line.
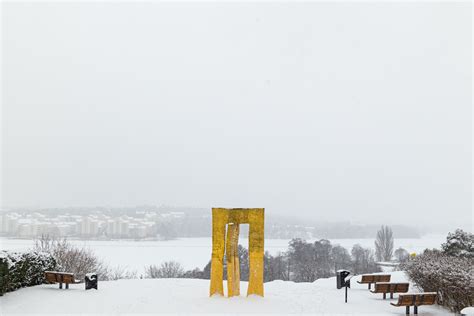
<point>119,273</point>
<point>276,267</point>
<point>45,243</point>
<point>76,260</point>
<point>363,260</point>
<point>341,257</point>
<point>401,254</point>
<point>169,269</point>
<point>384,244</point>
<point>303,261</point>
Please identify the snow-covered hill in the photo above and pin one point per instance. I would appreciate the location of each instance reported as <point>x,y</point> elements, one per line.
<point>191,296</point>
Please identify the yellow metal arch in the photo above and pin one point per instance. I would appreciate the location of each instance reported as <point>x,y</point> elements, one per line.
<point>232,218</point>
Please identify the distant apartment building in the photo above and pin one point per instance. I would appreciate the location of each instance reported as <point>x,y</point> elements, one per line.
<point>144,224</point>
<point>118,227</point>
<point>137,231</point>
<point>88,227</point>
<point>9,223</point>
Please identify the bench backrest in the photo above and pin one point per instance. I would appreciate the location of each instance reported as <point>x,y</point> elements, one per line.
<point>417,299</point>
<point>67,277</point>
<point>59,277</point>
<point>50,276</point>
<point>382,288</point>
<point>374,278</point>
<point>382,277</point>
<point>367,279</point>
<point>391,287</point>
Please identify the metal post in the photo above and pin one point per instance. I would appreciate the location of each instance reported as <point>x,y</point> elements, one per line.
<point>408,310</point>
<point>416,310</point>
<point>346,293</point>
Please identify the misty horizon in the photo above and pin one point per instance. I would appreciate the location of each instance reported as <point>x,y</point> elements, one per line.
<point>427,228</point>
<point>325,111</point>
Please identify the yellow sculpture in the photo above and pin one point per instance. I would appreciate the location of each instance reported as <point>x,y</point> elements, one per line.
<point>222,217</point>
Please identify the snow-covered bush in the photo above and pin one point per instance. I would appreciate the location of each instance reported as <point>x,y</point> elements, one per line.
<point>459,244</point>
<point>118,273</point>
<point>19,270</point>
<point>169,269</point>
<point>452,277</point>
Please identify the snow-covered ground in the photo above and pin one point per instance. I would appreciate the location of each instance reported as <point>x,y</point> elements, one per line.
<point>187,296</point>
<point>196,252</point>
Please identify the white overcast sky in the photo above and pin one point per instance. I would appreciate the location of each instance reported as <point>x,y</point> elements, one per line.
<point>359,111</point>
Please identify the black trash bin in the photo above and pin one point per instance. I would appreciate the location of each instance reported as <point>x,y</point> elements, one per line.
<point>91,281</point>
<point>341,276</point>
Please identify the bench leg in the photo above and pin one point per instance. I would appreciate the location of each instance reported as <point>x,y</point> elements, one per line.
<point>370,285</point>
<point>391,295</point>
<point>67,286</point>
<point>415,308</point>
<point>60,285</point>
<point>384,296</point>
<point>408,310</point>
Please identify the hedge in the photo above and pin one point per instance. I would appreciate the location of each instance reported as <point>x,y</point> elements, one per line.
<point>451,277</point>
<point>19,270</point>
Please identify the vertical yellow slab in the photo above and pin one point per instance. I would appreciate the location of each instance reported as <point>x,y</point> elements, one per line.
<point>219,220</point>
<point>256,250</point>
<point>232,258</point>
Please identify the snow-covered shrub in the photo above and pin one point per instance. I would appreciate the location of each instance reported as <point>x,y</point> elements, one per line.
<point>452,277</point>
<point>459,244</point>
<point>169,269</point>
<point>19,270</point>
<point>118,273</point>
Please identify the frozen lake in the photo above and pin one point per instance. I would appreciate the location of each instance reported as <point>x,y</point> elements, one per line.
<point>196,252</point>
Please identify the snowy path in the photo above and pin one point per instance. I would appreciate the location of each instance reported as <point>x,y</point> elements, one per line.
<point>191,296</point>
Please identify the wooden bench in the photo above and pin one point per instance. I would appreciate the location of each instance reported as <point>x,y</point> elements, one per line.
<point>415,300</point>
<point>374,278</point>
<point>385,287</point>
<point>60,277</point>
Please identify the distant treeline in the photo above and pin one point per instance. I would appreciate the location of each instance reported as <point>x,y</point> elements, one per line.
<point>280,228</point>
<point>302,262</point>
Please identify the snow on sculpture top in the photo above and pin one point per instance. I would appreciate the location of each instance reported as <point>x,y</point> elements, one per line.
<point>231,218</point>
